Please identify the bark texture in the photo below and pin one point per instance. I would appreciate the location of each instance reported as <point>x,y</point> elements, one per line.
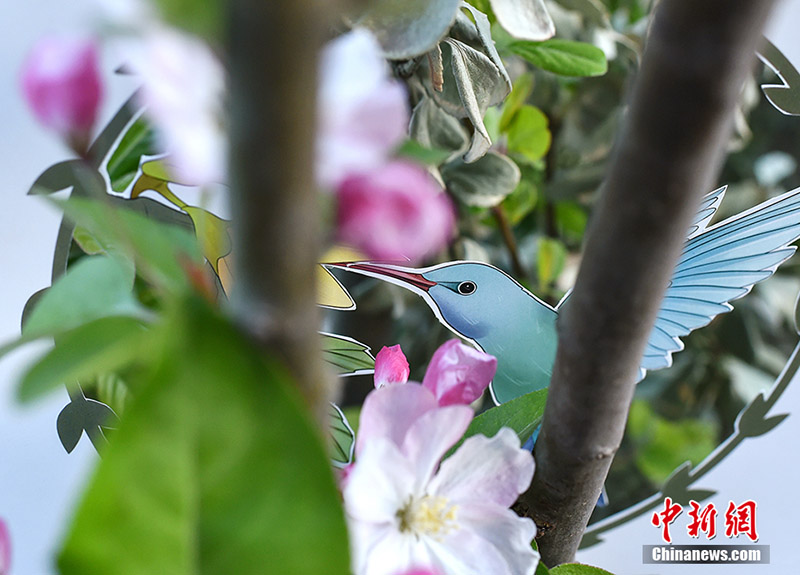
<point>697,58</point>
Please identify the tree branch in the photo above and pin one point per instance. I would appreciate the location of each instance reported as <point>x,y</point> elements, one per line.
<point>272,52</point>
<point>696,60</point>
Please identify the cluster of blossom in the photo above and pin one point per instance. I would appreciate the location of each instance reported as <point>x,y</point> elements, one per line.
<point>387,208</point>
<point>408,510</point>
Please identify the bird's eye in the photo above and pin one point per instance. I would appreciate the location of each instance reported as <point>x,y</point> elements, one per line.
<point>467,288</point>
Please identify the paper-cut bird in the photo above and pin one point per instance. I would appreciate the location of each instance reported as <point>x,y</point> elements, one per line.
<point>487,307</point>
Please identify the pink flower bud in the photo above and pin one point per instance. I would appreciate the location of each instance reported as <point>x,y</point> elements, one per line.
<point>391,366</point>
<point>61,82</point>
<point>458,373</point>
<point>5,549</point>
<point>394,212</point>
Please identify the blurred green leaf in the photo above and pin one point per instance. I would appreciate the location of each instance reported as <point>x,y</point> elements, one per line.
<point>112,391</point>
<point>523,415</point>
<point>434,128</point>
<point>523,86</point>
<point>158,248</point>
<point>343,438</point>
<point>100,346</point>
<point>202,17</point>
<point>484,183</point>
<point>528,133</point>
<point>521,201</point>
<point>563,57</point>
<point>346,355</point>
<point>571,220</point>
<point>123,164</point>
<point>216,468</point>
<point>551,257</point>
<point>93,288</point>
<point>664,445</point>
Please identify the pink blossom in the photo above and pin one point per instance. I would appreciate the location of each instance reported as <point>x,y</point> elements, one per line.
<point>62,84</point>
<point>391,366</point>
<point>406,510</point>
<point>5,549</point>
<point>363,112</point>
<point>394,212</point>
<point>459,373</point>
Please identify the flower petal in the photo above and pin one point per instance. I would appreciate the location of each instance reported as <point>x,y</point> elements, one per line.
<point>459,373</point>
<point>429,438</point>
<point>391,366</point>
<point>380,484</point>
<point>395,553</point>
<point>463,552</point>
<point>510,534</point>
<point>486,470</point>
<point>389,412</point>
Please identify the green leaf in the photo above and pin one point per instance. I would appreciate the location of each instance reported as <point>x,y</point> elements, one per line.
<point>577,569</point>
<point>158,248</point>
<point>529,134</point>
<point>523,86</point>
<point>563,57</point>
<point>434,128</point>
<point>101,346</point>
<point>201,17</point>
<point>484,183</point>
<point>346,355</point>
<point>552,255</point>
<point>663,444</point>
<point>528,19</point>
<point>522,414</point>
<point>216,468</point>
<point>123,164</point>
<point>343,438</point>
<point>93,288</point>
<point>521,201</point>
<point>413,150</point>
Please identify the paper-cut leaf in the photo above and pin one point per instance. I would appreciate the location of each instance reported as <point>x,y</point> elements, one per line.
<point>346,355</point>
<point>563,57</point>
<point>57,177</point>
<point>198,493</point>
<point>343,439</point>
<point>677,486</point>
<point>213,234</point>
<point>101,346</point>
<point>524,19</point>
<point>529,134</point>
<point>752,421</point>
<point>784,97</point>
<point>83,415</point>
<point>484,183</point>
<point>522,414</point>
<point>93,288</point>
<point>123,164</point>
<point>330,292</point>
<point>409,28</point>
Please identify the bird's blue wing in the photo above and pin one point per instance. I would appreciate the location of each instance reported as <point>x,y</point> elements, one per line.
<point>708,207</point>
<point>720,264</point>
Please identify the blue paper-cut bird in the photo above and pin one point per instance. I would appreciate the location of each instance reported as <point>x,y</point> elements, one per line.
<point>486,306</point>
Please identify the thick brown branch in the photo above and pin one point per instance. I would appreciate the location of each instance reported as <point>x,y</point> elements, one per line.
<point>697,58</point>
<point>272,53</point>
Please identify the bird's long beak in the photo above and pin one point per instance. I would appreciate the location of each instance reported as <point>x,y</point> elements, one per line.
<point>402,276</point>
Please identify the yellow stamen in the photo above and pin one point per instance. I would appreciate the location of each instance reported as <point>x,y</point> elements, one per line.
<point>429,515</point>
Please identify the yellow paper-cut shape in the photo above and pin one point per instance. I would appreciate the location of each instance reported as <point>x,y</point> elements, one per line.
<point>331,293</point>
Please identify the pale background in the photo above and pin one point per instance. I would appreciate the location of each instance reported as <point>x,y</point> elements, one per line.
<point>39,482</point>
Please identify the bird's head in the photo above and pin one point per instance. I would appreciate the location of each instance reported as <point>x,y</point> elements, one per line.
<point>471,298</point>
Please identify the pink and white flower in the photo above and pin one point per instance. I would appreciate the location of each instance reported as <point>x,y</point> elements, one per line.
<point>363,112</point>
<point>407,510</point>
<point>395,212</point>
<point>62,84</point>
<point>391,366</point>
